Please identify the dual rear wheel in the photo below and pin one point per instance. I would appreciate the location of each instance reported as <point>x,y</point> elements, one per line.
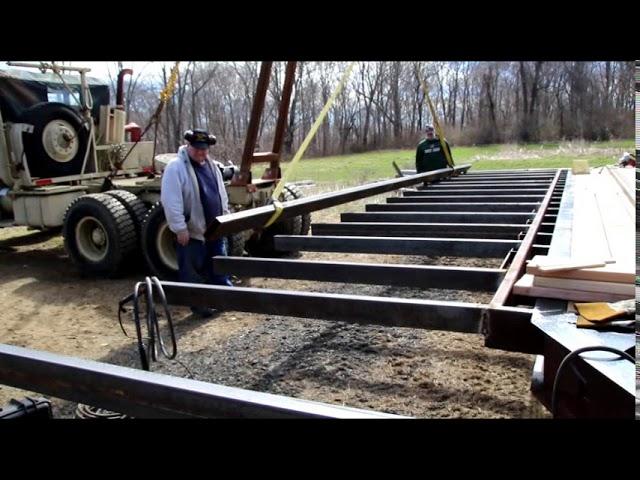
<point>108,233</point>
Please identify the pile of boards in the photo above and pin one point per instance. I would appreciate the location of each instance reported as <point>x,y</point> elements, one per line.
<point>576,280</point>
<point>596,235</point>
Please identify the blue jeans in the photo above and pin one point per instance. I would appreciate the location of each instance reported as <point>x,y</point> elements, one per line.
<point>195,262</point>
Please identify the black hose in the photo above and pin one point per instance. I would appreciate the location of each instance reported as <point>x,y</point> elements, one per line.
<point>150,353</point>
<point>151,328</point>
<point>571,356</point>
<point>172,335</point>
<point>136,319</point>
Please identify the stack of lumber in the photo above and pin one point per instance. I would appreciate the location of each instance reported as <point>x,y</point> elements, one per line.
<point>601,264</point>
<point>575,279</point>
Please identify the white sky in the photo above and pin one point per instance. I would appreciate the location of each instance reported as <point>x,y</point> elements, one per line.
<point>101,69</point>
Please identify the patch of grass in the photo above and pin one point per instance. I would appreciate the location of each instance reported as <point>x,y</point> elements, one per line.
<point>370,166</point>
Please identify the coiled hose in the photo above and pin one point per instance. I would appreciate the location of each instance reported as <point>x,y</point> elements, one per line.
<point>148,289</point>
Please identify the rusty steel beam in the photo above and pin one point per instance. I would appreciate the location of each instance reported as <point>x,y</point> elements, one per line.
<point>273,172</point>
<point>417,276</point>
<point>243,177</point>
<point>285,101</point>
<point>143,394</point>
<point>455,247</point>
<point>257,217</point>
<point>517,267</point>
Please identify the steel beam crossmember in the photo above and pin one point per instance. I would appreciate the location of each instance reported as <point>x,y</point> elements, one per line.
<point>143,394</point>
<point>414,196</point>
<point>387,229</point>
<point>436,217</point>
<point>418,276</point>
<point>364,310</point>
<point>451,207</point>
<point>397,245</point>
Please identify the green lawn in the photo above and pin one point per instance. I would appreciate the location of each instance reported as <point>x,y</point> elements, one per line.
<point>370,166</point>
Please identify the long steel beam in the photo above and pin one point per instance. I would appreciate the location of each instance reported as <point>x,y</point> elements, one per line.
<point>410,197</point>
<point>451,207</point>
<point>461,190</point>
<point>257,217</point>
<point>418,276</point>
<point>436,217</point>
<point>385,311</point>
<point>496,173</point>
<point>385,229</point>
<point>397,245</point>
<point>254,122</point>
<point>503,178</point>
<point>143,394</point>
<point>484,186</point>
<point>480,173</point>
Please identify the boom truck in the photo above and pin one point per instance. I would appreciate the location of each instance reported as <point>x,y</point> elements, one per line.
<point>69,160</point>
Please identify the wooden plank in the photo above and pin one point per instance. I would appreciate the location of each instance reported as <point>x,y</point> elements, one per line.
<point>557,264</point>
<point>627,289</point>
<point>603,222</point>
<point>608,273</point>
<point>625,178</point>
<point>525,287</point>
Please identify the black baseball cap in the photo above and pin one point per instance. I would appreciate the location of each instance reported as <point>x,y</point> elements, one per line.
<point>199,138</point>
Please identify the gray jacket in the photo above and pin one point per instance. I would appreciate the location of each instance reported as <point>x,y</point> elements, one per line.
<point>180,196</point>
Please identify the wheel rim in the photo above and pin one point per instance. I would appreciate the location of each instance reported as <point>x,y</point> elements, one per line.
<point>60,141</point>
<point>92,239</point>
<point>165,245</point>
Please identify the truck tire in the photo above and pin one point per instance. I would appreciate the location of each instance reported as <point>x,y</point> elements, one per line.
<point>263,245</point>
<point>159,244</point>
<point>58,143</point>
<point>136,208</point>
<point>305,219</point>
<point>99,234</point>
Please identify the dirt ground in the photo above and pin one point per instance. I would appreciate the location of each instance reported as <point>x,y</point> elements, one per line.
<point>48,305</point>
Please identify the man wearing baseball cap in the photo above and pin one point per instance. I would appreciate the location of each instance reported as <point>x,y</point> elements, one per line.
<point>193,195</point>
<point>429,154</point>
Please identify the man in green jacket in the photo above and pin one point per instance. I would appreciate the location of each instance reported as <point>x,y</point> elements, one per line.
<point>429,155</point>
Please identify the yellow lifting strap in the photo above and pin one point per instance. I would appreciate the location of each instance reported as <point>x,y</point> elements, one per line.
<point>436,124</point>
<point>171,84</point>
<point>303,147</point>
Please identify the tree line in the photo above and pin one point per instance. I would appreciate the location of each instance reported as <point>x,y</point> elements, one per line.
<point>383,104</point>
